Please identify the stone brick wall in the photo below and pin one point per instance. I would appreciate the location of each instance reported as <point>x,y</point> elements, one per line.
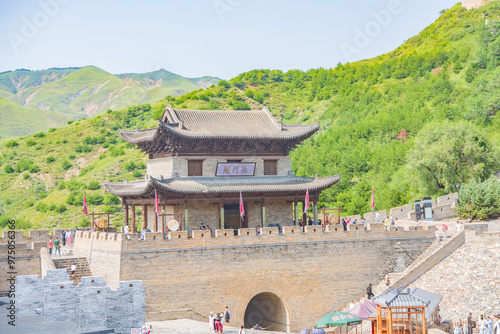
<point>179,165</point>
<point>448,199</point>
<point>400,211</point>
<point>304,269</point>
<point>27,254</point>
<point>91,304</point>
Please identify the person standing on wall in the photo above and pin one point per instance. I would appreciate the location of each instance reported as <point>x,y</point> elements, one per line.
<point>369,291</point>
<point>57,246</point>
<point>445,231</point>
<point>471,324</point>
<point>51,246</point>
<point>63,237</point>
<point>227,316</point>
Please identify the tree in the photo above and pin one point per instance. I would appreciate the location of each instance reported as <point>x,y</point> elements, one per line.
<point>484,198</point>
<point>446,153</point>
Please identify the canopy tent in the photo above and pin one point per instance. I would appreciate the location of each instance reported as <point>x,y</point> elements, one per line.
<point>364,309</point>
<point>338,319</point>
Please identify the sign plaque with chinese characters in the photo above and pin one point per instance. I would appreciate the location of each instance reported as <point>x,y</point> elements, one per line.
<point>235,169</point>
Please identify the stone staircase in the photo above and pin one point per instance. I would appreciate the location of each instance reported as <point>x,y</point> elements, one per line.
<point>82,266</point>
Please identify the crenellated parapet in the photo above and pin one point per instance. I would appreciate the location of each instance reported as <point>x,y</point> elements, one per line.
<point>86,241</point>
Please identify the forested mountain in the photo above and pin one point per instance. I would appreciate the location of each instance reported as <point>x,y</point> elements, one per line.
<point>413,122</point>
<point>83,92</point>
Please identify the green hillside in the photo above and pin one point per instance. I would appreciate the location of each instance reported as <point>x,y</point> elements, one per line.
<point>16,120</point>
<point>88,91</point>
<point>413,122</point>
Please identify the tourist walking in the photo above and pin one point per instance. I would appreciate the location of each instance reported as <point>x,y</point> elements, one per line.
<point>471,324</point>
<point>364,224</point>
<point>211,319</point>
<point>387,280</point>
<point>242,330</point>
<point>63,237</point>
<point>57,246</point>
<point>483,325</point>
<point>217,323</point>
<point>436,234</point>
<point>257,230</point>
<point>387,223</point>
<point>126,229</point>
<point>227,316</point>
<point>459,229</point>
<point>369,292</point>
<point>377,216</point>
<point>51,246</point>
<point>344,224</point>
<point>73,270</point>
<point>69,237</point>
<point>489,324</point>
<point>445,231</point>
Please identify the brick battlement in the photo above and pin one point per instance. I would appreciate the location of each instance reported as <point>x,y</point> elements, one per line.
<point>247,236</point>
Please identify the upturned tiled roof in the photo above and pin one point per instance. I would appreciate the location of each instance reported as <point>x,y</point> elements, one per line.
<point>413,297</point>
<point>229,124</point>
<point>211,185</point>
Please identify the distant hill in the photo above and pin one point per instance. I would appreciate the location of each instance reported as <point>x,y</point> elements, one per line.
<point>375,115</point>
<point>16,120</point>
<point>88,91</point>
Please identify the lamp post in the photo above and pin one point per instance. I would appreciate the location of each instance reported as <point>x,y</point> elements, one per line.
<point>459,212</point>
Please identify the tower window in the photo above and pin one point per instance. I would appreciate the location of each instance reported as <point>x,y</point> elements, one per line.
<point>270,167</point>
<point>195,167</point>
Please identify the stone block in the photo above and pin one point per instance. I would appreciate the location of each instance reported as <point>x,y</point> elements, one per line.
<point>247,232</point>
<point>61,302</point>
<point>292,229</point>
<point>201,234</point>
<point>226,233</point>
<point>92,281</point>
<point>29,294</point>
<point>92,308</point>
<point>174,235</point>
<point>266,231</point>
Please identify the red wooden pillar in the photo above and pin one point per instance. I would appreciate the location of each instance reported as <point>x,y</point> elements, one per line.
<point>144,216</point>
<point>133,218</point>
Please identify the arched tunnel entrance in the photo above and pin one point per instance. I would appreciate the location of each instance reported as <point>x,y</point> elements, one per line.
<point>267,310</point>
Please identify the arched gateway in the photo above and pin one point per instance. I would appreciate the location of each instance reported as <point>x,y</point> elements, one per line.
<point>267,310</point>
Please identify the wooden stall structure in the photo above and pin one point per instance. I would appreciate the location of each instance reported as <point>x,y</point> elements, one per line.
<point>404,311</point>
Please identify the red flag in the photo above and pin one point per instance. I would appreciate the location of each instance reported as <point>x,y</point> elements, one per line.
<point>157,207</point>
<point>85,211</point>
<point>242,207</point>
<point>373,200</point>
<point>306,201</point>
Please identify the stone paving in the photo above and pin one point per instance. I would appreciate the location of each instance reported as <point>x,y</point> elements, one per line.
<point>468,280</point>
<point>185,326</point>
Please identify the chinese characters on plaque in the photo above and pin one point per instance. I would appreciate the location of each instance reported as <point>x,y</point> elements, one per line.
<point>235,169</point>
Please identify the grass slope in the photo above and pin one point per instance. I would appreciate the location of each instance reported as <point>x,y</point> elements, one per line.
<point>17,120</point>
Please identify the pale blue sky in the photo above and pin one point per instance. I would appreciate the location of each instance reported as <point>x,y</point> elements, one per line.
<point>205,37</point>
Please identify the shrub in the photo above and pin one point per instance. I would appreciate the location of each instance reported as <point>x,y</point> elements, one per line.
<point>65,165</point>
<point>240,105</point>
<point>11,143</point>
<point>141,165</point>
<point>136,173</point>
<point>26,176</point>
<point>83,148</point>
<point>39,135</point>
<point>93,185</point>
<point>52,129</point>
<point>50,159</point>
<point>30,142</point>
<point>129,166</point>
<point>23,165</point>
<point>8,169</point>
<point>34,169</point>
<point>29,204</point>
<point>60,208</point>
<point>41,207</point>
<point>71,122</point>
<point>64,141</point>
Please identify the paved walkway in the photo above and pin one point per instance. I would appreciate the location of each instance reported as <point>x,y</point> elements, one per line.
<point>185,326</point>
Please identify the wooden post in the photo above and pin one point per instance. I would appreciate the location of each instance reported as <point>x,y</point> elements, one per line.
<point>304,214</point>
<point>93,222</point>
<point>221,215</point>
<point>155,222</point>
<point>126,214</point>
<point>107,228</point>
<point>144,216</point>
<point>315,210</point>
<point>296,204</point>
<point>186,225</point>
<point>424,328</point>
<point>263,211</point>
<point>133,218</point>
